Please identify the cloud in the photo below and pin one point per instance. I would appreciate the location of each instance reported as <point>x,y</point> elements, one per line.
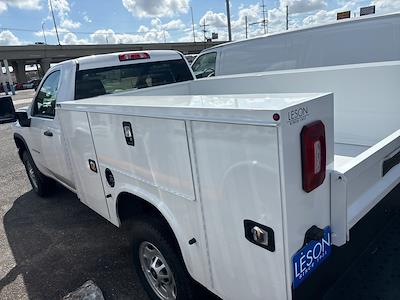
<point>8,38</point>
<point>386,6</point>
<point>211,18</point>
<point>87,19</point>
<point>174,25</point>
<point>51,32</point>
<point>109,36</point>
<point>252,12</point>
<point>3,7</point>
<point>156,8</point>
<point>71,39</point>
<point>143,29</point>
<point>61,7</point>
<point>22,4</point>
<point>303,6</point>
<point>69,24</point>
<point>321,17</point>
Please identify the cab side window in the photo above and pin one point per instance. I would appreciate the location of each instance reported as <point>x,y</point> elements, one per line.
<point>204,66</point>
<point>45,102</point>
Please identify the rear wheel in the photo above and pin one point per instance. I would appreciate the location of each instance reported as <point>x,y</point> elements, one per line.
<point>40,183</point>
<point>158,263</point>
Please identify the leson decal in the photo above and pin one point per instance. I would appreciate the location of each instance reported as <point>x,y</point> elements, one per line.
<point>297,115</point>
<point>310,257</point>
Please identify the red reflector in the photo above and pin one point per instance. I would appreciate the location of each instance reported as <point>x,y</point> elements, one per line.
<point>133,56</point>
<point>313,155</point>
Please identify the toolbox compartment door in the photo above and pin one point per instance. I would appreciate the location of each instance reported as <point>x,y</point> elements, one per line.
<point>78,136</point>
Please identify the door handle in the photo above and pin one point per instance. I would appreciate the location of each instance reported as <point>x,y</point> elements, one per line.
<point>48,133</point>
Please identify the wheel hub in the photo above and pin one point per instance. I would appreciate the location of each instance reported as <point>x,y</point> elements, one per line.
<point>157,272</point>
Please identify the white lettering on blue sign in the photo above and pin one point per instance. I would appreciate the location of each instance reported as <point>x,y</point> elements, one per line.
<point>310,257</point>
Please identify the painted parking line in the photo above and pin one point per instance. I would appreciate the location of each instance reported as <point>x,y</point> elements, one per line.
<point>22,101</point>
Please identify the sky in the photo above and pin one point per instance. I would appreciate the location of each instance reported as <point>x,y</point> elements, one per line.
<point>138,21</point>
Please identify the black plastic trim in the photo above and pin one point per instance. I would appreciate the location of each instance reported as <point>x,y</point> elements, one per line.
<point>390,163</point>
<point>20,137</point>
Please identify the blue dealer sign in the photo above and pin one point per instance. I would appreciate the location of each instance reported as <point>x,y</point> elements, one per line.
<point>308,258</point>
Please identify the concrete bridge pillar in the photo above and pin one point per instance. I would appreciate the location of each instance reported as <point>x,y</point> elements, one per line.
<point>8,75</point>
<point>44,65</point>
<point>19,70</point>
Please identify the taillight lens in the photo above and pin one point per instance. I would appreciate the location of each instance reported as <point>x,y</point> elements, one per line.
<point>313,155</point>
<point>133,56</point>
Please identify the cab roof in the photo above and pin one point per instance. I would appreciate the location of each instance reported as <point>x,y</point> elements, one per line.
<point>113,59</point>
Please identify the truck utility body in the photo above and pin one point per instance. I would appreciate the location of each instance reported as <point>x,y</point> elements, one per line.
<point>367,127</point>
<point>252,176</point>
<point>215,166</point>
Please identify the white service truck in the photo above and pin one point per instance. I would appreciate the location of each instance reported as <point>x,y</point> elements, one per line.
<point>243,183</point>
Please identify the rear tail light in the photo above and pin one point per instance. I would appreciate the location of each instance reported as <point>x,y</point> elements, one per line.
<point>313,155</point>
<point>133,56</point>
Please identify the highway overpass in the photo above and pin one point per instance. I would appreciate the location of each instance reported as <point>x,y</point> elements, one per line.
<point>44,55</point>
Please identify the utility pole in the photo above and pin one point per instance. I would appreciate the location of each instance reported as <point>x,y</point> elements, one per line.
<point>54,21</point>
<point>245,20</point>
<point>228,16</point>
<point>264,20</point>
<point>287,17</point>
<point>194,35</point>
<point>204,29</point>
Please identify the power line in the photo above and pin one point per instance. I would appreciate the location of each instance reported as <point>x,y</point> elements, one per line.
<point>17,29</point>
<point>85,32</point>
<point>264,20</point>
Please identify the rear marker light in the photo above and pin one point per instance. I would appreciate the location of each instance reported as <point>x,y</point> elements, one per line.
<point>313,155</point>
<point>276,117</point>
<point>133,56</point>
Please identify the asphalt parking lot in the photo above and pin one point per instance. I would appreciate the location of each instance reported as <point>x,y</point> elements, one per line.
<point>50,246</point>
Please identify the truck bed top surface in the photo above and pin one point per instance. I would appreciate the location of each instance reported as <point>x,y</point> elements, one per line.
<point>246,108</point>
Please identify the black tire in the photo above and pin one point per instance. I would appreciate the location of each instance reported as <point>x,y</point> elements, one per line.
<point>41,184</point>
<point>155,233</point>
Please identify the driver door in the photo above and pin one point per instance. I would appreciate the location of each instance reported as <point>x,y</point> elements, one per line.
<point>51,155</point>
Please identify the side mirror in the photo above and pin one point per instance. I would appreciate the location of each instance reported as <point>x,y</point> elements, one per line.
<point>7,110</point>
<point>23,119</point>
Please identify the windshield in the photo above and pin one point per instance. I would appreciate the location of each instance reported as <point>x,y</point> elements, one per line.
<point>204,65</point>
<point>100,81</point>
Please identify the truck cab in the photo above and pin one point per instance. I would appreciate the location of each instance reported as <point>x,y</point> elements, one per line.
<point>81,78</point>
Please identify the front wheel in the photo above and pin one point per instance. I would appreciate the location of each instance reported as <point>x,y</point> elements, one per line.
<point>40,183</point>
<point>159,264</point>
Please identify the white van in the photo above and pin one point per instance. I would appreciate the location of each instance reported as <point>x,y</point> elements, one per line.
<point>360,40</point>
